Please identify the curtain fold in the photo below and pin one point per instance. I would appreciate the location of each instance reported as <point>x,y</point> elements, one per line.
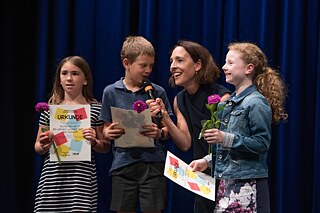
<point>285,31</point>
<point>288,31</point>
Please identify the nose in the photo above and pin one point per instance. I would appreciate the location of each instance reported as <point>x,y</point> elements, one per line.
<point>69,77</point>
<point>173,65</point>
<point>224,67</point>
<point>149,69</point>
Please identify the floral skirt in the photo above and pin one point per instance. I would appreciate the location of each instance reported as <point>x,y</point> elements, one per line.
<point>236,196</point>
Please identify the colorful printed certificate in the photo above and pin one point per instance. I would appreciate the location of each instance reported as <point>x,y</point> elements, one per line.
<point>197,182</point>
<point>66,123</point>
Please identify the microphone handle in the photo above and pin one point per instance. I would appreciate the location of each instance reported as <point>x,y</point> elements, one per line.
<point>159,114</point>
<point>151,95</point>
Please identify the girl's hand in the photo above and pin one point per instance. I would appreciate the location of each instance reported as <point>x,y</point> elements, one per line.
<point>213,135</point>
<point>199,165</point>
<point>89,134</point>
<point>46,138</point>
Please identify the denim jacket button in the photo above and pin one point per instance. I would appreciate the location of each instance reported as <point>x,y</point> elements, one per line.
<point>220,157</point>
<point>220,175</point>
<point>226,120</point>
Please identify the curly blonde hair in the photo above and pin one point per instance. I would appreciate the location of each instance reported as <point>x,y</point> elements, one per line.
<point>268,80</point>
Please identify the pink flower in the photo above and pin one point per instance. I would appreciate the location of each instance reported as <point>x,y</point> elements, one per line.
<point>41,107</point>
<point>212,99</point>
<point>139,106</point>
<point>214,121</point>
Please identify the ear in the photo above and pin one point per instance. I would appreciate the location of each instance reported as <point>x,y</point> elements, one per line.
<point>85,83</point>
<point>249,69</point>
<point>125,63</point>
<point>198,65</point>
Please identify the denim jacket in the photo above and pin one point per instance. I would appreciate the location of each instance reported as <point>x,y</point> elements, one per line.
<point>247,121</point>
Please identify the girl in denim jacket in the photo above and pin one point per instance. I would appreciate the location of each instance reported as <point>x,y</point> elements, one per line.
<point>243,140</point>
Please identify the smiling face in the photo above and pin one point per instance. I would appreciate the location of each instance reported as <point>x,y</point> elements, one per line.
<point>237,72</point>
<point>183,68</point>
<point>72,79</point>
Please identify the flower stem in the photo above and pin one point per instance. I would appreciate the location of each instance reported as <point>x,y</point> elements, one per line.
<point>53,142</point>
<point>56,151</point>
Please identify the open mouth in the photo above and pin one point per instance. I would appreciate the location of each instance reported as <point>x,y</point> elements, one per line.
<point>177,74</point>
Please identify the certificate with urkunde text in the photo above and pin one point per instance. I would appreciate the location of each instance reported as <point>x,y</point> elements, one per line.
<point>66,123</point>
<point>132,122</point>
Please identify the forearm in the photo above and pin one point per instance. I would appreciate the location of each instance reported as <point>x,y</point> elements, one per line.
<point>39,149</point>
<point>182,139</point>
<point>101,145</point>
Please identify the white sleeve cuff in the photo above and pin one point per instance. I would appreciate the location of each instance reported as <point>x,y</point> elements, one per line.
<point>208,158</point>
<point>228,140</point>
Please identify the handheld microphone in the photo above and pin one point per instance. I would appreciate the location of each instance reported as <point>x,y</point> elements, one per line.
<point>148,88</point>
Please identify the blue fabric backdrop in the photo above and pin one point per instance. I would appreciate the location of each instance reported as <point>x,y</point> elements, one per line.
<point>37,34</point>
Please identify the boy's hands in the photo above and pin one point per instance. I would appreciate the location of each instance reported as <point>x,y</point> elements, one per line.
<point>112,132</point>
<point>151,131</point>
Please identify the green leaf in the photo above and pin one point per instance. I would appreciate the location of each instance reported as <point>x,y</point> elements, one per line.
<point>212,107</point>
<point>206,124</point>
<point>221,107</point>
<point>203,122</point>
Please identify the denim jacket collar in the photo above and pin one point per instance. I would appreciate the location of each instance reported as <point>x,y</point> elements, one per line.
<point>237,98</point>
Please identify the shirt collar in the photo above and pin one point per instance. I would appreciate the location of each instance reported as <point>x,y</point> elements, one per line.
<point>120,85</point>
<point>237,98</point>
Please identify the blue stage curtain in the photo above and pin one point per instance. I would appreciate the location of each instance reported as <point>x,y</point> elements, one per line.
<point>288,31</point>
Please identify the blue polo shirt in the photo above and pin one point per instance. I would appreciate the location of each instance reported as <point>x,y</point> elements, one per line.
<point>116,95</point>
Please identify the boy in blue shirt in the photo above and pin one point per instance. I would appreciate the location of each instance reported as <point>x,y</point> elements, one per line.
<point>137,172</point>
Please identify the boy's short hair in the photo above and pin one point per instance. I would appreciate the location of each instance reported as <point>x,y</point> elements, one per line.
<point>134,46</point>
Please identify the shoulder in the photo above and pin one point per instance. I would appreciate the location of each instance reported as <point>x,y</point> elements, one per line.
<point>181,93</point>
<point>108,88</point>
<point>95,108</point>
<point>112,87</point>
<point>160,91</point>
<point>95,105</point>
<point>219,88</point>
<point>257,95</point>
<point>181,96</point>
<point>257,99</point>
<point>158,87</point>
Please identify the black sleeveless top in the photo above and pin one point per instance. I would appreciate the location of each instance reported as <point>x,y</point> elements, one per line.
<point>194,110</point>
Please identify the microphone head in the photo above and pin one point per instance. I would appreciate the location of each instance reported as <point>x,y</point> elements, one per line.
<point>148,88</point>
<point>147,85</point>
